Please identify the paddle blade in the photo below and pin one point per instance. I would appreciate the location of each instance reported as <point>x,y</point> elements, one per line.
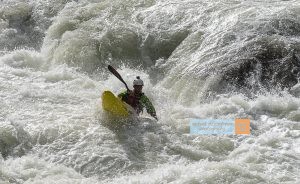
<point>114,71</point>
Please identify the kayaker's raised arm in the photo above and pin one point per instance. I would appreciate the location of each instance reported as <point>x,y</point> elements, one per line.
<point>122,95</point>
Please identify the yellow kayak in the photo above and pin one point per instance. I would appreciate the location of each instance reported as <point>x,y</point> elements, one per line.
<point>114,105</point>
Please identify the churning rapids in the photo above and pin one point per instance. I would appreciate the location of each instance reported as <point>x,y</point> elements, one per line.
<point>198,58</point>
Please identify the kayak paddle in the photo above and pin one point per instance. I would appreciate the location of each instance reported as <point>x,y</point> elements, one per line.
<point>114,71</point>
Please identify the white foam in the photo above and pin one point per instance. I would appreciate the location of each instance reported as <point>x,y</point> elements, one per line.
<point>51,114</point>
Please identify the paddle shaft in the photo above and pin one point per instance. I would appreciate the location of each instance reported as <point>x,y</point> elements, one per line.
<point>114,71</point>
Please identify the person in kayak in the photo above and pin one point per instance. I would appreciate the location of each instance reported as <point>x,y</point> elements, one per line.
<point>137,99</point>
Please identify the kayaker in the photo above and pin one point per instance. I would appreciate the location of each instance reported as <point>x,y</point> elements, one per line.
<point>137,99</point>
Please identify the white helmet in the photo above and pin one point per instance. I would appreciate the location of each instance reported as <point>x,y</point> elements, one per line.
<point>138,82</point>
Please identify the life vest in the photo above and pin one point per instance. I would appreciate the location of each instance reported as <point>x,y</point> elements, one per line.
<point>134,101</point>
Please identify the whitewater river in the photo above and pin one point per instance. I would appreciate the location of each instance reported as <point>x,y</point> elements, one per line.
<point>220,59</point>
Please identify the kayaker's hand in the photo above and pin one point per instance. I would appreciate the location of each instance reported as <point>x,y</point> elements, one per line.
<point>154,116</point>
<point>130,92</point>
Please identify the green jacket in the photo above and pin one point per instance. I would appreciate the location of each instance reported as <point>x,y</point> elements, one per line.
<point>142,102</point>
